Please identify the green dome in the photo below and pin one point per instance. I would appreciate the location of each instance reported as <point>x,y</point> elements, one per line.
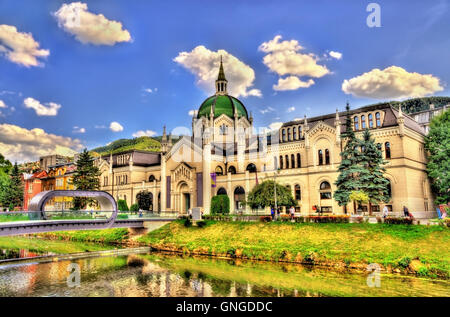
<point>222,104</point>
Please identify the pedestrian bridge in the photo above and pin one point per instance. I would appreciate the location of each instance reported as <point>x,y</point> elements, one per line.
<point>37,219</point>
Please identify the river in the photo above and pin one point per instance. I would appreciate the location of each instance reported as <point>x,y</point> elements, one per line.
<point>157,274</point>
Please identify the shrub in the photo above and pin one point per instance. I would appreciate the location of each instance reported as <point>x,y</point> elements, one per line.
<point>201,223</point>
<point>299,219</point>
<point>144,200</point>
<point>328,219</point>
<point>187,222</point>
<point>265,218</point>
<point>398,221</point>
<point>220,204</point>
<point>404,262</point>
<point>359,219</point>
<point>285,218</point>
<point>134,207</point>
<point>122,216</point>
<point>122,205</point>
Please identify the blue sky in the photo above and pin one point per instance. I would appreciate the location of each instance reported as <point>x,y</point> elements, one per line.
<point>96,84</point>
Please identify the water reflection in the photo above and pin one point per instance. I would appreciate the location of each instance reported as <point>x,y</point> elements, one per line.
<point>160,275</point>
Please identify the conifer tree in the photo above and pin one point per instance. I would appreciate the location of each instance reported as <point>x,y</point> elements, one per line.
<point>372,179</point>
<point>350,167</point>
<point>14,192</point>
<point>86,177</point>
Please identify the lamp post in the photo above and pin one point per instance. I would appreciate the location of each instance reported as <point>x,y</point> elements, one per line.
<point>275,190</point>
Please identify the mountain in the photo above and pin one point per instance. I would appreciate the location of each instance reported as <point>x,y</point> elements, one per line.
<point>418,104</point>
<point>143,143</point>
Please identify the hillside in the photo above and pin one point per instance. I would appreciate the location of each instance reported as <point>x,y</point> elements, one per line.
<point>143,143</point>
<point>418,104</point>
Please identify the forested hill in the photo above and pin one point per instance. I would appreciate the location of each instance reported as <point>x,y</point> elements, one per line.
<point>418,104</point>
<point>143,143</point>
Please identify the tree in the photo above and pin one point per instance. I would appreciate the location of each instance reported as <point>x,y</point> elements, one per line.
<point>86,177</point>
<point>437,143</point>
<point>263,195</point>
<point>359,197</point>
<point>144,200</point>
<point>350,167</point>
<point>372,179</point>
<point>122,205</point>
<point>13,196</point>
<point>220,204</point>
<point>5,168</point>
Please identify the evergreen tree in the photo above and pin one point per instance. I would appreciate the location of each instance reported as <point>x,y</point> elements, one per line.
<point>5,168</point>
<point>144,200</point>
<point>372,179</point>
<point>437,143</point>
<point>86,177</point>
<point>350,167</point>
<point>13,196</point>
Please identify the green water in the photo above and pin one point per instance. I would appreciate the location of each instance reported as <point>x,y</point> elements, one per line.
<point>157,274</point>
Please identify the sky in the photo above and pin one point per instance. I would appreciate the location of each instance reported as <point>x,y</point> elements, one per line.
<point>83,74</point>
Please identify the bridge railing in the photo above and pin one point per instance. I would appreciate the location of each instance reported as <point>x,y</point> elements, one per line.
<point>54,215</point>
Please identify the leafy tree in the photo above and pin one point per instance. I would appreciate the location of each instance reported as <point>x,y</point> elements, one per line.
<point>437,143</point>
<point>144,200</point>
<point>122,205</point>
<point>349,168</point>
<point>134,207</point>
<point>86,177</point>
<point>372,179</point>
<point>359,197</point>
<point>13,196</point>
<point>263,195</point>
<point>5,165</point>
<point>220,204</point>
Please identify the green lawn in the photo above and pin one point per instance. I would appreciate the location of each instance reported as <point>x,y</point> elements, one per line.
<point>421,249</point>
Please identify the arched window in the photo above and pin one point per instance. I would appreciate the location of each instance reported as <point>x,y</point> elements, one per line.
<point>239,197</point>
<point>286,157</point>
<point>251,168</point>
<point>294,132</point>
<point>356,123</point>
<point>299,161</point>
<point>378,119</point>
<point>219,170</point>
<point>298,193</point>
<point>370,120</point>
<point>151,178</point>
<point>292,161</point>
<point>221,191</point>
<point>299,132</point>
<point>363,122</point>
<point>281,162</point>
<point>325,190</point>
<point>320,157</point>
<point>283,134</point>
<point>387,149</point>
<point>327,157</point>
<point>289,134</point>
<point>232,170</point>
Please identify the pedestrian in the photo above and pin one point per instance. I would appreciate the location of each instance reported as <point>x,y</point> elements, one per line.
<point>292,211</point>
<point>272,213</point>
<point>406,211</point>
<point>385,211</point>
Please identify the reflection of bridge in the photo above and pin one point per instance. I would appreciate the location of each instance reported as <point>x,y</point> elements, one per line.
<point>44,224</point>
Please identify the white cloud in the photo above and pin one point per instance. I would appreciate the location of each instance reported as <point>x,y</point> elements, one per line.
<point>2,104</point>
<point>79,130</point>
<point>193,112</point>
<point>115,126</point>
<point>20,144</point>
<point>284,58</point>
<point>275,126</point>
<point>20,48</point>
<point>392,82</point>
<point>88,27</point>
<point>335,55</point>
<point>267,110</point>
<point>50,108</point>
<point>144,133</point>
<point>150,90</point>
<point>292,83</point>
<point>290,109</point>
<point>204,64</point>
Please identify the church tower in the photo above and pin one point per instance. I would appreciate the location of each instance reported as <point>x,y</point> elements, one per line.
<point>221,81</point>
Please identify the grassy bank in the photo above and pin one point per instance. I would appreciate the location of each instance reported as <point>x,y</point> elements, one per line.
<point>106,236</point>
<point>399,248</point>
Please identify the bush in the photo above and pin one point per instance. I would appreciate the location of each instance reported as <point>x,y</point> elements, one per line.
<point>265,218</point>
<point>201,223</point>
<point>122,216</point>
<point>285,218</point>
<point>359,219</point>
<point>299,219</point>
<point>187,222</point>
<point>220,204</point>
<point>398,221</point>
<point>144,200</point>
<point>134,207</point>
<point>329,219</point>
<point>122,205</point>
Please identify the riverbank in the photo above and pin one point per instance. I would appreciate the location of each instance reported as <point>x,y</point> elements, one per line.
<point>419,250</point>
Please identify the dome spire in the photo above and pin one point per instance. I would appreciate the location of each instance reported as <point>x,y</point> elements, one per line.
<point>221,82</point>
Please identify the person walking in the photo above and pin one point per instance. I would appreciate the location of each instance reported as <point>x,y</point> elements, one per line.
<point>292,212</point>
<point>385,211</point>
<point>272,213</point>
<point>406,211</point>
